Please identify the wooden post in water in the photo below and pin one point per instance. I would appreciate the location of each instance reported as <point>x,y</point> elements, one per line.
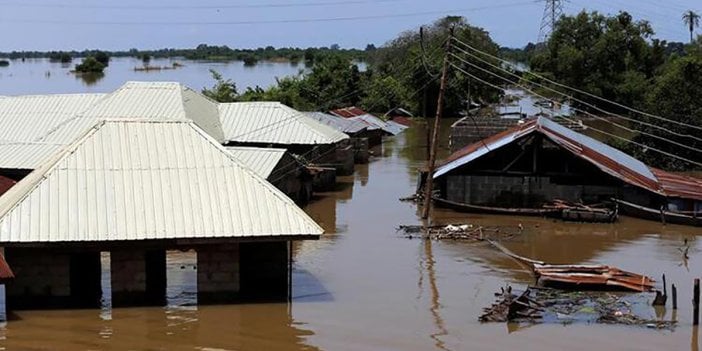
<point>429,183</point>
<point>696,303</point>
<point>674,290</point>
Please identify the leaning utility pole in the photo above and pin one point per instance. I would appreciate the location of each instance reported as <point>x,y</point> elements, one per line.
<point>429,182</point>
<point>552,12</point>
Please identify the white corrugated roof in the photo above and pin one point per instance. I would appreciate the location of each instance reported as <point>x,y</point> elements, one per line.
<point>261,160</point>
<point>167,100</point>
<point>274,123</point>
<point>339,123</point>
<point>136,180</point>
<point>376,122</point>
<point>58,119</point>
<point>27,118</point>
<point>24,120</point>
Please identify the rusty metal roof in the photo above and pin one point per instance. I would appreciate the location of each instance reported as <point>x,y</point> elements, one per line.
<point>608,159</point>
<point>6,183</point>
<point>348,112</point>
<point>5,270</point>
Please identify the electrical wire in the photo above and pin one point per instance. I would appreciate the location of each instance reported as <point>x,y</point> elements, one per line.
<point>645,147</point>
<point>582,91</point>
<point>586,103</point>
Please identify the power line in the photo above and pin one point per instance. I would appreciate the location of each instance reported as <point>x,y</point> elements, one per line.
<point>281,21</point>
<point>645,147</point>
<point>585,112</point>
<point>195,7</point>
<point>592,106</point>
<point>631,109</point>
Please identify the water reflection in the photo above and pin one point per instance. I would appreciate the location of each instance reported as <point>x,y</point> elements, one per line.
<point>91,78</point>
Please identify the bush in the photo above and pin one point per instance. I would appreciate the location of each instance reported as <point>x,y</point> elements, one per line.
<point>90,65</point>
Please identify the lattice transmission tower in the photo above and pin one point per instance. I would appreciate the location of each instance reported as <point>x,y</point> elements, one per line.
<point>552,12</point>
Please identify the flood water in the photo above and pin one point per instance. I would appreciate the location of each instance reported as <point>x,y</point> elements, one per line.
<point>40,76</point>
<point>365,287</point>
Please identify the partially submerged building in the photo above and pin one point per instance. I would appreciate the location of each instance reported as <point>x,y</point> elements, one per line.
<point>374,123</point>
<point>358,131</point>
<point>541,160</point>
<point>280,168</point>
<point>136,188</point>
<point>272,124</point>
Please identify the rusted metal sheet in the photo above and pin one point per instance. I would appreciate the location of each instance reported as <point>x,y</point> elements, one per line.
<point>606,158</point>
<point>592,277</point>
<point>348,112</point>
<point>677,185</point>
<point>5,184</point>
<point>5,270</point>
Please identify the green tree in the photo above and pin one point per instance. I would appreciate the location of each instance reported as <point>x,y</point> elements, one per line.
<point>692,21</point>
<point>609,56</point>
<point>90,65</point>
<point>224,90</point>
<point>677,95</point>
<point>102,57</point>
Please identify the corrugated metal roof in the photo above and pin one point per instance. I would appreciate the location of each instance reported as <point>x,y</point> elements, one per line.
<point>261,160</point>
<point>136,180</point>
<point>339,123</point>
<point>6,183</point>
<point>392,129</point>
<point>678,185</point>
<point>56,120</point>
<point>605,157</point>
<point>28,118</point>
<point>167,100</point>
<point>347,112</point>
<point>274,123</point>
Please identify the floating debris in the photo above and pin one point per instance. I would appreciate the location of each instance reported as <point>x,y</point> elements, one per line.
<point>458,232</point>
<point>545,305</point>
<point>591,277</point>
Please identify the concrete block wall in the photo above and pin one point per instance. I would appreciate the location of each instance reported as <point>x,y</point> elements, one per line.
<point>516,191</point>
<point>467,131</point>
<point>128,271</point>
<point>218,277</point>
<point>361,149</point>
<point>38,273</point>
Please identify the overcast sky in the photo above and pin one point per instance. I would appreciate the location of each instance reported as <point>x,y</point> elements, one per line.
<point>112,25</point>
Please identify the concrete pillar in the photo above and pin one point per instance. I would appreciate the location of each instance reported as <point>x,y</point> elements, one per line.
<point>218,279</point>
<point>138,277</point>
<point>264,271</point>
<point>48,278</point>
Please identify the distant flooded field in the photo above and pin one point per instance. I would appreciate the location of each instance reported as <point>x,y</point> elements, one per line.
<point>364,286</point>
<point>40,76</point>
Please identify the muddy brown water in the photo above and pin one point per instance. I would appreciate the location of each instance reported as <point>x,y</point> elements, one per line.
<point>365,287</point>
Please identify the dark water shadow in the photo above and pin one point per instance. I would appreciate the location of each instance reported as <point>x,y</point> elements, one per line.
<point>307,288</point>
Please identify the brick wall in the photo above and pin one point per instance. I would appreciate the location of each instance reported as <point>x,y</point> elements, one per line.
<point>39,273</point>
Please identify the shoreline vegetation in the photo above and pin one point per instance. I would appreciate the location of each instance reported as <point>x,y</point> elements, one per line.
<point>659,77</point>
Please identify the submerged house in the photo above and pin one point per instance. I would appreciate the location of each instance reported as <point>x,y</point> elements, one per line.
<point>278,167</point>
<point>355,113</point>
<point>356,130</point>
<point>136,188</point>
<point>272,124</point>
<point>541,160</point>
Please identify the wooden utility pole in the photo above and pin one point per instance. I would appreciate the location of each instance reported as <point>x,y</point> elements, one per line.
<point>429,183</point>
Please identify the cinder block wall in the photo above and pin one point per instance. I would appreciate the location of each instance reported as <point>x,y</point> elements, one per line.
<point>218,278</point>
<point>513,191</point>
<point>38,273</point>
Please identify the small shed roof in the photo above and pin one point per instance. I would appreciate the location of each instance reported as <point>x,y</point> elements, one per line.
<point>273,123</point>
<point>608,159</point>
<point>338,123</point>
<point>375,123</point>
<point>261,160</point>
<point>127,180</point>
<point>348,112</point>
